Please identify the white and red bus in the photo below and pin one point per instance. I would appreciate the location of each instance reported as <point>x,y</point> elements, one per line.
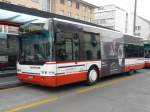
<point>57,51</point>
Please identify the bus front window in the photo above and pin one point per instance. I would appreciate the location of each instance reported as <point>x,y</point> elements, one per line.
<point>36,44</point>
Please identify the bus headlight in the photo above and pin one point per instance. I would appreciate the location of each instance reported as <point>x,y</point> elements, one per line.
<point>18,70</point>
<point>44,72</point>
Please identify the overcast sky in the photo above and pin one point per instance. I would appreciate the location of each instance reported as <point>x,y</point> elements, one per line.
<point>143,5</point>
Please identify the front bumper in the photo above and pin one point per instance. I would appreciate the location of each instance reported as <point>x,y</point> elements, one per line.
<point>38,80</point>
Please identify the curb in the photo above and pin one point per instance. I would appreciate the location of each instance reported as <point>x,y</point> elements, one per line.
<point>10,84</point>
<point>7,75</point>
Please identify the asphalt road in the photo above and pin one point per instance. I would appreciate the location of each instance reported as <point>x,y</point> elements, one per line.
<point>119,93</point>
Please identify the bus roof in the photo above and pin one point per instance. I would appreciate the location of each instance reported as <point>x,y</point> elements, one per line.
<point>15,15</point>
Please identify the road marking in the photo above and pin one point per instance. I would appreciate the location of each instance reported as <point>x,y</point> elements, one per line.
<point>51,99</point>
<point>102,85</point>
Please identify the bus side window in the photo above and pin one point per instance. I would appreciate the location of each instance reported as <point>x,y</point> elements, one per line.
<point>132,51</point>
<point>89,55</point>
<point>91,46</point>
<point>98,54</point>
<point>69,49</point>
<point>64,46</point>
<point>76,46</point>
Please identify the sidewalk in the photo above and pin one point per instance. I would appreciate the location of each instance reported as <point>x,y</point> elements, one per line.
<point>9,82</point>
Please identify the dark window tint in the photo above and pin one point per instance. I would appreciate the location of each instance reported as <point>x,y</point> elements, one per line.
<point>78,5</point>
<point>67,46</point>
<point>132,51</point>
<point>76,46</point>
<point>91,44</point>
<point>62,1</point>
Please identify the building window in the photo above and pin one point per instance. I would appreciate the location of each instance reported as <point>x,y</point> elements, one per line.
<point>102,21</point>
<point>62,2</point>
<point>61,12</point>
<point>6,1</point>
<point>21,5</point>
<point>84,18</point>
<point>77,5</point>
<point>138,34</point>
<point>69,14</point>
<point>84,8</point>
<point>101,8</point>
<point>138,28</point>
<point>69,3</point>
<point>77,16</point>
<point>91,11</point>
<point>111,27</point>
<point>90,19</point>
<point>46,5</point>
<point>37,1</point>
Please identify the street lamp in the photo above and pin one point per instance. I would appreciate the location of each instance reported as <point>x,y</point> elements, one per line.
<point>135,13</point>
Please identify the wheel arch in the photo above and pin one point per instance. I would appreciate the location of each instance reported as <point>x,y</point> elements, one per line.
<point>94,66</point>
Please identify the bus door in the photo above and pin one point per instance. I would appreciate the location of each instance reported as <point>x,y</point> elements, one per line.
<point>114,61</point>
<point>112,54</point>
<point>67,53</point>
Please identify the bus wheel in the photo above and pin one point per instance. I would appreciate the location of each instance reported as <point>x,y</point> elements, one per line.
<point>92,76</point>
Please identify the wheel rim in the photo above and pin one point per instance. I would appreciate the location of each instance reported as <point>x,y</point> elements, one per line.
<point>92,76</point>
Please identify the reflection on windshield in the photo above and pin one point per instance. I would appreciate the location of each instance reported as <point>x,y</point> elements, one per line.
<point>36,47</point>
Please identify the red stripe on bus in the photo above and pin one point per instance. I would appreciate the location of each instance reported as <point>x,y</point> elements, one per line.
<point>38,80</point>
<point>71,78</point>
<point>133,67</point>
<point>52,81</point>
<point>147,64</point>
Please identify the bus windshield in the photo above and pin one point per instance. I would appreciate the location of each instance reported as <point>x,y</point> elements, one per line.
<point>36,46</point>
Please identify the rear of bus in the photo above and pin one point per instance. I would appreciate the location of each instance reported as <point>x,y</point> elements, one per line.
<point>134,53</point>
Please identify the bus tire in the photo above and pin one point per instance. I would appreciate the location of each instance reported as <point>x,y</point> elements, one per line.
<point>92,76</point>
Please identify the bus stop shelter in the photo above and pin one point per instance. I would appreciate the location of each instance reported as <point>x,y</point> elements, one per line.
<point>13,15</point>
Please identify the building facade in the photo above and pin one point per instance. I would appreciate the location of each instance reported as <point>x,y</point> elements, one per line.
<point>74,8</point>
<point>36,4</point>
<point>142,27</point>
<point>78,9</point>
<point>117,18</point>
<point>112,16</point>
